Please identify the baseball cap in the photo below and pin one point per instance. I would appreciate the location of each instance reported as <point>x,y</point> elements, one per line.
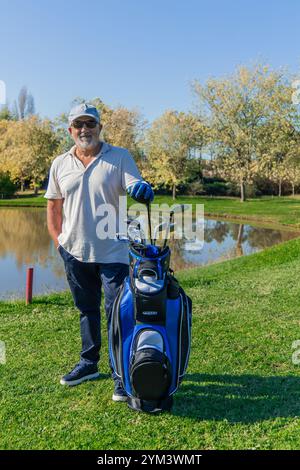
<point>83,109</point>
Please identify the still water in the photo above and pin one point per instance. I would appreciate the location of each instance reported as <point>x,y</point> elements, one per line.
<point>25,242</point>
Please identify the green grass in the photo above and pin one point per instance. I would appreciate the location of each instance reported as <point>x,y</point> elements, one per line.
<point>270,210</point>
<point>241,390</point>
<point>25,200</point>
<point>266,210</point>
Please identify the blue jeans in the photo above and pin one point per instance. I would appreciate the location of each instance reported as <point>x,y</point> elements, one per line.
<point>85,281</point>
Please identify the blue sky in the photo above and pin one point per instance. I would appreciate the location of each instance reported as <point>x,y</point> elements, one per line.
<point>140,54</point>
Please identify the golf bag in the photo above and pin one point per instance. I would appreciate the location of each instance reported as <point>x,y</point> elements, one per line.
<point>150,331</point>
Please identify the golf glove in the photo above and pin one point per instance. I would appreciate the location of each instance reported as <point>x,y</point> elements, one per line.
<point>141,192</point>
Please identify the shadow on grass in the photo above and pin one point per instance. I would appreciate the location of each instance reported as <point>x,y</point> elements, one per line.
<point>237,398</point>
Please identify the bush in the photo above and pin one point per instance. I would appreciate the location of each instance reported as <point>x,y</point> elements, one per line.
<point>253,191</point>
<point>233,189</point>
<point>7,187</point>
<point>216,189</point>
<point>195,188</point>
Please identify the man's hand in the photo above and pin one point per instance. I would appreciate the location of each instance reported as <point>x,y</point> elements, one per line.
<point>141,192</point>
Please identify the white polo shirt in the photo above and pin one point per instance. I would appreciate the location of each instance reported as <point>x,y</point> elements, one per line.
<point>84,189</point>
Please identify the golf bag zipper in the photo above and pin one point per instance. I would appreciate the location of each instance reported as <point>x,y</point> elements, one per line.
<point>189,335</point>
<point>116,311</point>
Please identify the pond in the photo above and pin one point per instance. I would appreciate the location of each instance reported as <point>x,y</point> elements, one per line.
<point>25,242</point>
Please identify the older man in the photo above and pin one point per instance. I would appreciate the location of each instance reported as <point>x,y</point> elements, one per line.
<point>91,174</point>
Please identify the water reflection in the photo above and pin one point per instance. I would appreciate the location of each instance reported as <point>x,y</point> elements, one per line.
<point>226,240</point>
<point>25,242</point>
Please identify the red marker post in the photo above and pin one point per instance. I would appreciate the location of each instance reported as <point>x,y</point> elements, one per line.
<point>29,279</point>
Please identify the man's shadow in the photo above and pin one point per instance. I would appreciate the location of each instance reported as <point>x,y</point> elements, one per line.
<point>237,398</point>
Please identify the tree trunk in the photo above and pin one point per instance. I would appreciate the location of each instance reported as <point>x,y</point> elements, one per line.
<point>22,186</point>
<point>293,189</point>
<point>243,195</point>
<point>36,190</point>
<point>200,168</point>
<point>279,188</point>
<point>174,192</point>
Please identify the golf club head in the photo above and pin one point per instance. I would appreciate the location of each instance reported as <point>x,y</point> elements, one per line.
<point>132,221</point>
<point>134,234</point>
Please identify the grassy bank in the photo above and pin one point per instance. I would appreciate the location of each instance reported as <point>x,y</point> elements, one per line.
<point>283,210</point>
<point>241,390</point>
<point>267,210</point>
<point>26,198</point>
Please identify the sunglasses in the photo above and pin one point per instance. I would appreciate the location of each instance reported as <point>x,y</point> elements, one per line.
<point>89,124</point>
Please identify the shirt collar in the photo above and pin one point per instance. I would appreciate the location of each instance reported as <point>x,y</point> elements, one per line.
<point>105,148</point>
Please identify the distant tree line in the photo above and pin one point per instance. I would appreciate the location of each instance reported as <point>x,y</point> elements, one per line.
<point>244,139</point>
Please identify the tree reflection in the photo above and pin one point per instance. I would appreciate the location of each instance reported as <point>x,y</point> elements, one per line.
<point>215,230</point>
<point>24,236</point>
<point>24,233</point>
<point>177,255</point>
<point>261,238</point>
<point>239,241</point>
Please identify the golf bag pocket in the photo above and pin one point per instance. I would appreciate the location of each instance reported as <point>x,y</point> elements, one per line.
<point>150,368</point>
<point>173,289</point>
<point>150,307</point>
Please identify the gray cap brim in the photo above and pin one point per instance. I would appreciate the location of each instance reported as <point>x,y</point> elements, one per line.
<point>83,115</point>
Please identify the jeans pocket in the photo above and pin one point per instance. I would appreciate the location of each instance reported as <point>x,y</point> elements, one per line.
<point>66,256</point>
<point>63,253</point>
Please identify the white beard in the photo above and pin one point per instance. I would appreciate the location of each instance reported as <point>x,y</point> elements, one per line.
<point>86,142</point>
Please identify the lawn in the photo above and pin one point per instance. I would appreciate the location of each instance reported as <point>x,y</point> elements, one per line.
<point>266,210</point>
<point>273,210</point>
<point>242,390</point>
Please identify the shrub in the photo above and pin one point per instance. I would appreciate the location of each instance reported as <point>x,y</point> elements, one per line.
<point>195,188</point>
<point>7,187</point>
<point>216,189</point>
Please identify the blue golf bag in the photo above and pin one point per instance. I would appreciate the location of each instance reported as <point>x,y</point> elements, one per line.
<point>150,331</point>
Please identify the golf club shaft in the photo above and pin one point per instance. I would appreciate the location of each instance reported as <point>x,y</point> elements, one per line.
<point>168,229</point>
<point>149,221</point>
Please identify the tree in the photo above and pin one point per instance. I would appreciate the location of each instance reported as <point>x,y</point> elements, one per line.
<point>60,126</point>
<point>168,145</point>
<point>24,107</point>
<point>7,187</point>
<point>27,148</point>
<point>293,169</point>
<point>239,109</point>
<point>278,149</point>
<point>124,128</point>
<point>5,114</point>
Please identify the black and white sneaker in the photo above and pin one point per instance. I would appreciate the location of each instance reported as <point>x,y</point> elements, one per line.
<point>79,374</point>
<point>119,392</point>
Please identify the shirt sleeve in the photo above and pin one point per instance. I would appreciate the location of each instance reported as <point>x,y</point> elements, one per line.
<point>53,189</point>
<point>130,173</point>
